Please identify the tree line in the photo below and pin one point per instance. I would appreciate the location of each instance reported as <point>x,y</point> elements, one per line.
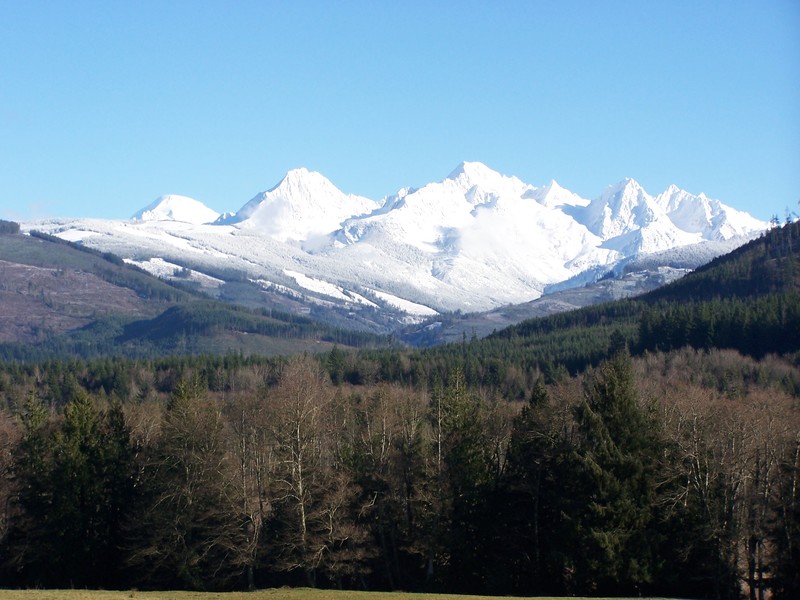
<point>9,227</point>
<point>674,473</point>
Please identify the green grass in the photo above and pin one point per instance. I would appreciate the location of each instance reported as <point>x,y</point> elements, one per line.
<point>271,594</point>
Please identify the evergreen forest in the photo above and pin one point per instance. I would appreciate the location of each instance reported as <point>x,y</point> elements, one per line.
<point>645,447</point>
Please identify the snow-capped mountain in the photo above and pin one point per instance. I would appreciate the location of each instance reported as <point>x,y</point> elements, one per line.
<point>480,232</point>
<point>302,206</point>
<point>173,207</point>
<point>629,221</point>
<point>700,214</point>
<point>475,240</point>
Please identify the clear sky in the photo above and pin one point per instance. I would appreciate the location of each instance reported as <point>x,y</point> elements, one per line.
<point>106,105</point>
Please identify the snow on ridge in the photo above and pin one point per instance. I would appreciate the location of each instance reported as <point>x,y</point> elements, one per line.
<point>701,214</point>
<point>476,176</point>
<point>166,270</point>
<point>630,220</point>
<point>553,195</point>
<point>328,289</point>
<point>407,306</point>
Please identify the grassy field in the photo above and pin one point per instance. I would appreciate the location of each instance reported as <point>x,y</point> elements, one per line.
<point>272,594</point>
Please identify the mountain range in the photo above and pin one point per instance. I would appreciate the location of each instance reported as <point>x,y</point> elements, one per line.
<point>474,241</point>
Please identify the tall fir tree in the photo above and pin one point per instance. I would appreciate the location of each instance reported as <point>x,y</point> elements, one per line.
<point>617,454</point>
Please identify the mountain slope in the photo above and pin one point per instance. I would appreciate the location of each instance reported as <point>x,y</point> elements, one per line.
<point>768,265</point>
<point>477,231</point>
<point>748,300</point>
<point>60,300</point>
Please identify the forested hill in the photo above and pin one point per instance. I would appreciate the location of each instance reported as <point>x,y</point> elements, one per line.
<point>769,264</point>
<point>747,300</point>
<point>63,300</point>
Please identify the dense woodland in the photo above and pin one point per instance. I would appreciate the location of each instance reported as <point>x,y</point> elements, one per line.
<point>647,447</point>
<point>671,474</point>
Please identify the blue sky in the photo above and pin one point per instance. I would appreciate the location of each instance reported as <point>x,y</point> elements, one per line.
<point>106,105</point>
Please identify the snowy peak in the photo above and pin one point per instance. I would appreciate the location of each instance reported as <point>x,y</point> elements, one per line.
<point>710,218</point>
<point>689,212</point>
<point>173,207</point>
<point>475,175</point>
<point>297,186</point>
<point>302,182</point>
<point>631,221</point>
<point>625,195</point>
<point>621,208</point>
<point>303,205</point>
<point>473,171</point>
<point>554,196</point>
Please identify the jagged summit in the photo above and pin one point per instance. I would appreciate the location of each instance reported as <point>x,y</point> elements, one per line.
<point>553,195</point>
<point>472,170</point>
<point>173,207</point>
<point>627,189</point>
<point>619,209</point>
<point>468,175</point>
<point>708,217</point>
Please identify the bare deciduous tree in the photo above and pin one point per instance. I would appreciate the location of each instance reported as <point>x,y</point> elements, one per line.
<point>312,528</point>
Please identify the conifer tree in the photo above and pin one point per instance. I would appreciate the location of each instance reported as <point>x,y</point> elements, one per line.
<point>617,455</point>
<point>462,473</point>
<point>76,483</point>
<point>538,490</point>
<point>32,463</point>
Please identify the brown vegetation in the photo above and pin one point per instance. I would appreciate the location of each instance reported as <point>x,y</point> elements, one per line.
<point>38,301</point>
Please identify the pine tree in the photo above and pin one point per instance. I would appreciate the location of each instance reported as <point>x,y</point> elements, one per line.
<point>76,487</point>
<point>617,457</point>
<point>32,463</point>
<point>461,476</point>
<point>536,541</point>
